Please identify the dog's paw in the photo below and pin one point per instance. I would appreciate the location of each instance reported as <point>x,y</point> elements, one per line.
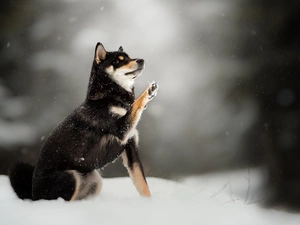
<point>152,90</point>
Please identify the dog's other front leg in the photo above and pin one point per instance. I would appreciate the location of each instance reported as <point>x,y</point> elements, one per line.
<point>134,166</point>
<point>138,107</point>
<point>140,104</point>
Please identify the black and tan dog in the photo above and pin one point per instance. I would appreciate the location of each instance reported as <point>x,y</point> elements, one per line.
<point>92,136</point>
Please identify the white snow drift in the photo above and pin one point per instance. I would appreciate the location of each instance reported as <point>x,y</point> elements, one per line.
<point>213,199</point>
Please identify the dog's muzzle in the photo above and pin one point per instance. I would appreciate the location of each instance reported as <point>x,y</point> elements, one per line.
<point>136,72</point>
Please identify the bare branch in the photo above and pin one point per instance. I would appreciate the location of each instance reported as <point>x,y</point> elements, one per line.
<point>215,194</point>
<point>249,186</point>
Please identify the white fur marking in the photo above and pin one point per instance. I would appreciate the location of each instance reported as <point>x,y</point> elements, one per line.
<point>110,69</point>
<point>132,132</point>
<point>118,110</point>
<point>125,159</point>
<point>125,81</point>
<point>77,185</point>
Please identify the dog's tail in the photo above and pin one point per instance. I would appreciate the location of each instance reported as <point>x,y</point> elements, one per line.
<point>21,180</point>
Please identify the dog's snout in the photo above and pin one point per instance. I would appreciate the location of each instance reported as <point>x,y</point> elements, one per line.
<point>140,61</point>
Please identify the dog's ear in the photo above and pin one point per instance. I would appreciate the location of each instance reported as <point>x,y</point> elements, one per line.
<point>120,49</point>
<point>100,53</point>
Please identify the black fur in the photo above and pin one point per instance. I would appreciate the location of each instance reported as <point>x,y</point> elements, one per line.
<point>131,150</point>
<point>21,180</point>
<point>84,141</point>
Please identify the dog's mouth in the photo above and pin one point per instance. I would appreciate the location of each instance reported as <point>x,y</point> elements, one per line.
<point>136,72</point>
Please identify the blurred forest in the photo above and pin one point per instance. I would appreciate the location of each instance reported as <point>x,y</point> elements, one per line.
<point>229,94</point>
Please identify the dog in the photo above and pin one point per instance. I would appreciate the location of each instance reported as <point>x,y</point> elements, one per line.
<point>95,134</point>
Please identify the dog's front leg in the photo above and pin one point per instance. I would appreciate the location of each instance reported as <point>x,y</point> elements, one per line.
<point>137,109</point>
<point>134,166</point>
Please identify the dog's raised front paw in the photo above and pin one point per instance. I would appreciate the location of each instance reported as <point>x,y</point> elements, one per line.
<point>152,90</point>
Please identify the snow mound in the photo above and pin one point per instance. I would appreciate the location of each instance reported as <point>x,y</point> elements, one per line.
<point>119,203</point>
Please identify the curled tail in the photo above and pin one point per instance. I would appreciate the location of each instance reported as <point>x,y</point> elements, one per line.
<point>21,180</point>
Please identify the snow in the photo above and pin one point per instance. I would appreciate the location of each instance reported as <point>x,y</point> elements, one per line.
<point>194,200</point>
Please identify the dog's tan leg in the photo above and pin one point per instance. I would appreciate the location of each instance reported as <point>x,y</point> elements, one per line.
<point>138,107</point>
<point>140,104</point>
<point>134,166</point>
<point>138,179</point>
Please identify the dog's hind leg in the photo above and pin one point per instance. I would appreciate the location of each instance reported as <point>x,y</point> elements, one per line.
<point>134,166</point>
<point>58,184</point>
<point>90,184</point>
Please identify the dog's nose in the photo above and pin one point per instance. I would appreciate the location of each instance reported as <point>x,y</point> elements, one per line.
<point>140,61</point>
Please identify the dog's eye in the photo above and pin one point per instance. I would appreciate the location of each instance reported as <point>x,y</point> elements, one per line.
<point>116,61</point>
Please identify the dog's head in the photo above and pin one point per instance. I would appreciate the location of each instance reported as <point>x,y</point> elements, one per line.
<point>118,66</point>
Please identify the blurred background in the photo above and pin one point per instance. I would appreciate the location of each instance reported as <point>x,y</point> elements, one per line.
<point>229,94</point>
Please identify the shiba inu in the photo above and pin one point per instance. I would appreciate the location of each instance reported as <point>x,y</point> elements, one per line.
<point>95,134</point>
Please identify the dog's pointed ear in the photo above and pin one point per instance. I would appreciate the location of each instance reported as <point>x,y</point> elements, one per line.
<point>120,49</point>
<point>100,53</point>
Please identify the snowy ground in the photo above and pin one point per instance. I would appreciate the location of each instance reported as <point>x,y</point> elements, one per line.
<point>211,199</point>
